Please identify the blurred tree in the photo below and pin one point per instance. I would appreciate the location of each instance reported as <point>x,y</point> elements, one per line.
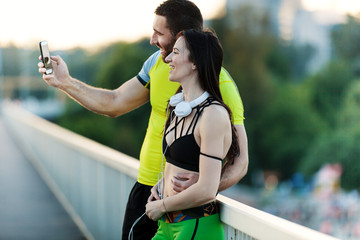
<point>336,96</point>
<point>346,37</point>
<point>350,113</point>
<point>85,64</point>
<point>288,62</point>
<point>11,61</point>
<point>124,62</point>
<point>328,88</point>
<point>342,144</point>
<point>289,125</point>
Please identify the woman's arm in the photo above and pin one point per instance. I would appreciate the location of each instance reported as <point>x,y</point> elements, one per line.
<point>215,135</point>
<point>231,173</point>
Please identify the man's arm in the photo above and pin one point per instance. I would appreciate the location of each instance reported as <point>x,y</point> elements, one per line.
<point>112,103</point>
<point>233,173</point>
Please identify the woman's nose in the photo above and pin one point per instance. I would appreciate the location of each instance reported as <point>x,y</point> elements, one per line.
<point>168,58</point>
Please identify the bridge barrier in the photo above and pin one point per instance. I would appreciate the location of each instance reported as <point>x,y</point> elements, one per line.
<point>93,182</point>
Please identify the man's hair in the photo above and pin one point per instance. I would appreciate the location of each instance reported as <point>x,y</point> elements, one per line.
<point>180,15</point>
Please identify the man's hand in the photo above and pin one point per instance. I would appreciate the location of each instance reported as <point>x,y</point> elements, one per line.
<point>60,72</point>
<point>182,181</point>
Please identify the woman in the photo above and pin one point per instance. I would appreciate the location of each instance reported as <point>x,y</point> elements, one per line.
<point>198,136</point>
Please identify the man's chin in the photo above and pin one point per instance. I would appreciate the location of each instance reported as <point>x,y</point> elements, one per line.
<point>163,58</point>
<point>164,54</point>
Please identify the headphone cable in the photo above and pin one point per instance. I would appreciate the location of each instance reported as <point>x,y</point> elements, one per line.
<point>130,237</point>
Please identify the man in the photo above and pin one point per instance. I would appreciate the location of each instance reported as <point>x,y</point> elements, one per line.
<point>152,83</point>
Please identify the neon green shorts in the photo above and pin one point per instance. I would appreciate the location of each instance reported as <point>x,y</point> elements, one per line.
<point>204,228</point>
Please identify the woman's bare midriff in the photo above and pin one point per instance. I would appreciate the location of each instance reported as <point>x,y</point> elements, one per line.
<point>170,171</point>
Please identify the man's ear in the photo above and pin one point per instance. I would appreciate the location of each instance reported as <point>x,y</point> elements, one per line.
<point>194,67</point>
<point>178,34</point>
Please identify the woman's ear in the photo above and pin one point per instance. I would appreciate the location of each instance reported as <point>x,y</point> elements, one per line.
<point>194,67</point>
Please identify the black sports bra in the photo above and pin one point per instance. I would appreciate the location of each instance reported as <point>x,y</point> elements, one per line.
<point>184,152</point>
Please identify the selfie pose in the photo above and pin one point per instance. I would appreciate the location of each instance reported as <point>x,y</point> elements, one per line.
<point>152,84</point>
<point>198,136</point>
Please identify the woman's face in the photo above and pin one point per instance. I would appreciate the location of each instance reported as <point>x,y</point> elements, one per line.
<point>180,66</point>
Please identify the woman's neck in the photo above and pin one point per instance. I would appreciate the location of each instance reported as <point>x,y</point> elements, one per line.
<point>192,90</point>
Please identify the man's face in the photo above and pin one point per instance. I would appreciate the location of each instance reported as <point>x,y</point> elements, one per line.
<point>162,36</point>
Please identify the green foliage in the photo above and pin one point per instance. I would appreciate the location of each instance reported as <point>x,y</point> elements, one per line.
<point>289,62</point>
<point>341,147</point>
<point>82,64</point>
<point>286,129</point>
<point>346,38</point>
<point>124,62</point>
<point>328,89</point>
<point>342,144</point>
<point>350,113</point>
<point>11,61</point>
<point>336,96</point>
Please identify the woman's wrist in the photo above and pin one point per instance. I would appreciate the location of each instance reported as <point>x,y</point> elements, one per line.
<point>164,210</point>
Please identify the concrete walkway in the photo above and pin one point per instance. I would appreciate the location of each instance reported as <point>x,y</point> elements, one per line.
<point>28,209</point>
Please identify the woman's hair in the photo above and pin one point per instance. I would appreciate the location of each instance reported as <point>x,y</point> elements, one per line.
<point>207,54</point>
<point>180,15</point>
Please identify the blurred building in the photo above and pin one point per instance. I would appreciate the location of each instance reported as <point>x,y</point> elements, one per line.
<point>294,24</point>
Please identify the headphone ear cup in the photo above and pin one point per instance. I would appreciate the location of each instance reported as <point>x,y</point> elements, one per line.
<point>183,109</point>
<point>176,99</point>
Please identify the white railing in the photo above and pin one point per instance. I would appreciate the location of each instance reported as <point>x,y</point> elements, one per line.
<point>93,181</point>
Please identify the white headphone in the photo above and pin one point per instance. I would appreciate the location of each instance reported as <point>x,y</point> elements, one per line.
<point>183,108</point>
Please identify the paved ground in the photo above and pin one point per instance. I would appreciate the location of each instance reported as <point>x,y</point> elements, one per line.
<point>28,209</point>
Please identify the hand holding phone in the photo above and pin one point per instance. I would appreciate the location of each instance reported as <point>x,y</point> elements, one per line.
<point>45,56</point>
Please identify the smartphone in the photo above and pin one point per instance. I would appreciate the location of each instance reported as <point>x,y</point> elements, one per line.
<point>45,56</point>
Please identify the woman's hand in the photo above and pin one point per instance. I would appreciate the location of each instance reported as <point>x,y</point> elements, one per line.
<point>155,209</point>
<point>155,194</point>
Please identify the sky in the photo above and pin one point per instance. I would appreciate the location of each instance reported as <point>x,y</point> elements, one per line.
<point>341,6</point>
<point>85,23</point>
<point>332,11</point>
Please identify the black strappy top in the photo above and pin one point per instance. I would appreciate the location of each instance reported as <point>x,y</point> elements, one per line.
<point>184,152</point>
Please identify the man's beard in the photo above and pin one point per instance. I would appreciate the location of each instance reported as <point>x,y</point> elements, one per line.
<point>168,49</point>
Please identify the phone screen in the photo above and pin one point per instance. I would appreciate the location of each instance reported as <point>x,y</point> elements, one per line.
<point>45,55</point>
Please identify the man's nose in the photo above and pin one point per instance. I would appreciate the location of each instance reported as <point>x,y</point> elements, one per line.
<point>153,39</point>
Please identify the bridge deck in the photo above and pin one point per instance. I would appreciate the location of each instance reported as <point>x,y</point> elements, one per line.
<point>28,209</point>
